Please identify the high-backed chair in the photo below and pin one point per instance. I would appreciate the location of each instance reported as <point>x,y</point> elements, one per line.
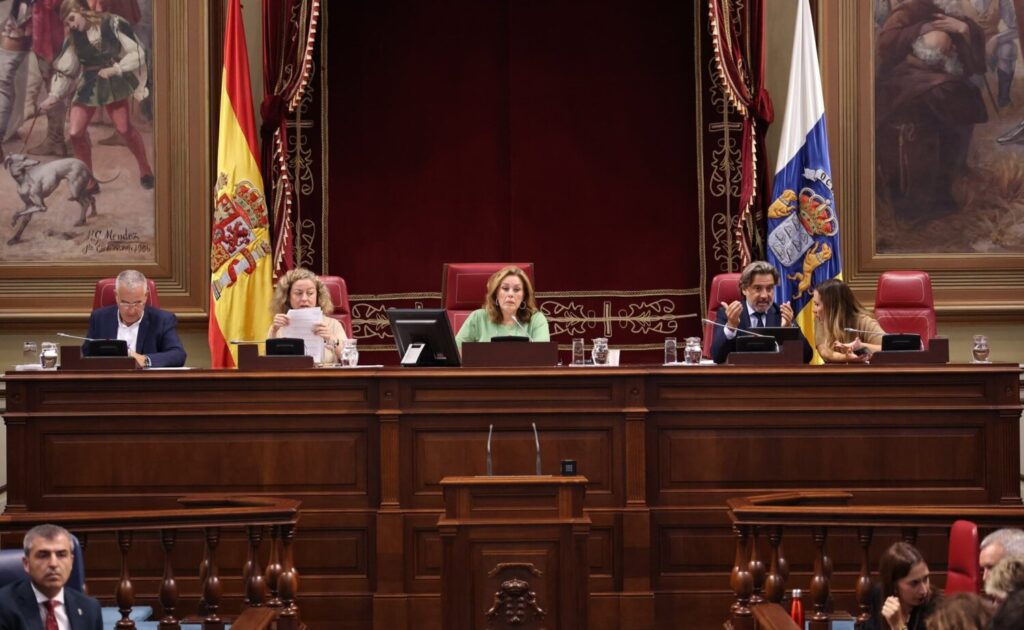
<point>464,286</point>
<point>725,287</point>
<point>338,290</point>
<point>104,294</point>
<point>963,574</point>
<point>904,304</point>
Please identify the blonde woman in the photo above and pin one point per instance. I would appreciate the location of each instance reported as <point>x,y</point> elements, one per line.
<point>837,309</point>
<point>301,288</point>
<point>509,310</point>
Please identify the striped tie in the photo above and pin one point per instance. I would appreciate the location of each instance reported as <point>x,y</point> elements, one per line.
<point>51,616</point>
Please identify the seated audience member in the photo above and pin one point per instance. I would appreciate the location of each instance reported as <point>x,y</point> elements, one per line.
<point>151,333</point>
<point>905,598</point>
<point>835,310</point>
<point>963,611</point>
<point>1005,578</point>
<point>509,310</point>
<point>1002,542</point>
<point>301,288</point>
<point>1010,615</point>
<point>41,601</point>
<point>756,310</point>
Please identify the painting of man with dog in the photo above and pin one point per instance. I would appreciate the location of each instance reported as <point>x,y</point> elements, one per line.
<point>948,95</point>
<point>86,197</point>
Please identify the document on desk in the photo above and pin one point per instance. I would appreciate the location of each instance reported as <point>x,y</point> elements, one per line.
<point>300,326</point>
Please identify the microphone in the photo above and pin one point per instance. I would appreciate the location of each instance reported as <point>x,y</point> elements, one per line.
<point>866,332</point>
<point>536,441</point>
<point>749,332</point>
<point>67,336</point>
<point>490,472</point>
<point>518,323</point>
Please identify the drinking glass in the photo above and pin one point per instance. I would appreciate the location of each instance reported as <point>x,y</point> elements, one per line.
<point>48,355</point>
<point>350,353</point>
<point>692,351</point>
<point>980,350</point>
<point>599,352</point>
<point>29,352</point>
<point>671,354</point>
<point>579,351</point>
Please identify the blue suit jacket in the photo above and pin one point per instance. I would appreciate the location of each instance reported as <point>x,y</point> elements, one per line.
<point>721,346</point>
<point>158,334</point>
<point>20,611</point>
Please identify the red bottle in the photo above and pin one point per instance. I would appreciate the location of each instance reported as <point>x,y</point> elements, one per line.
<point>796,610</point>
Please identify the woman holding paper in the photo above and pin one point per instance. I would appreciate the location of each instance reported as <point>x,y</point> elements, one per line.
<point>844,332</point>
<point>301,288</point>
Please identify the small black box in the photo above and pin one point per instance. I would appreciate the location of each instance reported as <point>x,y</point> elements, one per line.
<point>106,348</point>
<point>286,346</point>
<point>901,342</point>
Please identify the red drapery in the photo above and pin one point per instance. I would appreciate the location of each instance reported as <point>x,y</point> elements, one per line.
<point>747,94</point>
<point>289,33</point>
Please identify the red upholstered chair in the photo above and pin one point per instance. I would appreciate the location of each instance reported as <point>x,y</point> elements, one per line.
<point>904,304</point>
<point>725,287</point>
<point>338,290</point>
<point>963,574</point>
<point>464,286</point>
<point>105,294</point>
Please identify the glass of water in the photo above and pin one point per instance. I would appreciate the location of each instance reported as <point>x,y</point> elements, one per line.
<point>30,352</point>
<point>350,353</point>
<point>48,355</point>
<point>600,351</point>
<point>980,350</point>
<point>671,350</point>
<point>692,351</point>
<point>579,351</point>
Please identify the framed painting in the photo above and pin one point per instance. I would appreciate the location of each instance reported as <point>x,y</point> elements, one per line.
<point>105,115</point>
<point>925,100</point>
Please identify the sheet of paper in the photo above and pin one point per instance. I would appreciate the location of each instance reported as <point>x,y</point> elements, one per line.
<point>300,326</point>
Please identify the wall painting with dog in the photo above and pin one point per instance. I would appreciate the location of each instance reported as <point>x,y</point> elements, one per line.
<point>76,113</point>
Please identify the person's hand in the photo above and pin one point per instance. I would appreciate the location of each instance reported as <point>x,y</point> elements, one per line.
<point>950,25</point>
<point>48,104</point>
<point>110,71</point>
<point>786,311</point>
<point>280,321</point>
<point>322,330</point>
<point>732,314</point>
<point>849,350</point>
<point>892,614</point>
<point>139,358</point>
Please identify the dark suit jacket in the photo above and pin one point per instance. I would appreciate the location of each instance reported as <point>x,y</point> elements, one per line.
<point>158,334</point>
<point>721,346</point>
<point>20,611</point>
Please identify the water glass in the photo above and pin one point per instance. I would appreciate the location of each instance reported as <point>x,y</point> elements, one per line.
<point>692,351</point>
<point>48,355</point>
<point>599,352</point>
<point>29,352</point>
<point>671,354</point>
<point>579,351</point>
<point>980,351</point>
<point>350,353</point>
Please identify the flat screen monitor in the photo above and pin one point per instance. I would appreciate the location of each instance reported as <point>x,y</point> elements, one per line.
<point>424,336</point>
<point>105,348</point>
<point>781,333</point>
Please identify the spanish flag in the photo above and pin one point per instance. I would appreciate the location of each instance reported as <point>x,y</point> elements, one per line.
<point>241,281</point>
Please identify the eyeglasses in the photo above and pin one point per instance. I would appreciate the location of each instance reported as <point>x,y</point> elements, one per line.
<point>131,305</point>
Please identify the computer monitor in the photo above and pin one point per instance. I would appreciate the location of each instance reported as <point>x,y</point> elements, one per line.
<point>424,336</point>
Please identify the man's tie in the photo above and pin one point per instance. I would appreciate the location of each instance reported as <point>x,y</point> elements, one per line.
<point>760,324</point>
<point>51,616</point>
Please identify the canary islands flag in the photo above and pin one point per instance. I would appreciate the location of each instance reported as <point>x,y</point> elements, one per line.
<point>803,228</point>
<point>241,267</point>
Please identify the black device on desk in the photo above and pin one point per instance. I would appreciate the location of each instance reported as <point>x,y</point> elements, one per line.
<point>105,348</point>
<point>901,342</point>
<point>286,346</point>
<point>513,338</point>
<point>424,336</point>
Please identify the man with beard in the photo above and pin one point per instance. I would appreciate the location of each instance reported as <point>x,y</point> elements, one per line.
<point>926,106</point>
<point>756,310</point>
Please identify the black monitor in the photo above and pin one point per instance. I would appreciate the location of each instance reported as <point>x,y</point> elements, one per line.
<point>105,348</point>
<point>286,346</point>
<point>424,336</point>
<point>901,342</point>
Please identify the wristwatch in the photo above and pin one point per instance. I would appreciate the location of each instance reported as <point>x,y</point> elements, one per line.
<point>149,362</point>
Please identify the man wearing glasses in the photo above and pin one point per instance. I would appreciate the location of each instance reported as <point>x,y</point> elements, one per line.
<point>757,310</point>
<point>151,333</point>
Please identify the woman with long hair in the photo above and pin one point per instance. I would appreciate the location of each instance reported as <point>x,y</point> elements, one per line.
<point>844,332</point>
<point>509,310</point>
<point>301,288</point>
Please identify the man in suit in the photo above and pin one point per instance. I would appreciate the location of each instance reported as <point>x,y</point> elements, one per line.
<point>756,310</point>
<point>151,333</point>
<point>41,602</point>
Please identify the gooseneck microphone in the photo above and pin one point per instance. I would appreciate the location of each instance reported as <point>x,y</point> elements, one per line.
<point>518,323</point>
<point>490,431</point>
<point>67,336</point>
<point>866,332</point>
<point>749,332</point>
<point>536,441</point>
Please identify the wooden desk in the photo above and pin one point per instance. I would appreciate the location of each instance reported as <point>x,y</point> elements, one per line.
<point>365,451</point>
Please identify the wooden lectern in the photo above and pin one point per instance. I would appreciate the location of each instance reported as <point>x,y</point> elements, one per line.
<point>515,553</point>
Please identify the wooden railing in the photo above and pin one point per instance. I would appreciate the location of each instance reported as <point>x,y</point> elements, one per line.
<point>818,513</point>
<point>269,594</point>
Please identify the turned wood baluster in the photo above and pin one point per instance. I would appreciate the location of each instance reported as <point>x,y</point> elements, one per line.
<point>83,542</point>
<point>819,583</point>
<point>909,535</point>
<point>274,567</point>
<point>125,596</point>
<point>169,587</point>
<point>742,582</point>
<point>864,585</point>
<point>255,587</point>
<point>288,583</point>
<point>212,586</point>
<point>775,583</point>
<point>756,568</point>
